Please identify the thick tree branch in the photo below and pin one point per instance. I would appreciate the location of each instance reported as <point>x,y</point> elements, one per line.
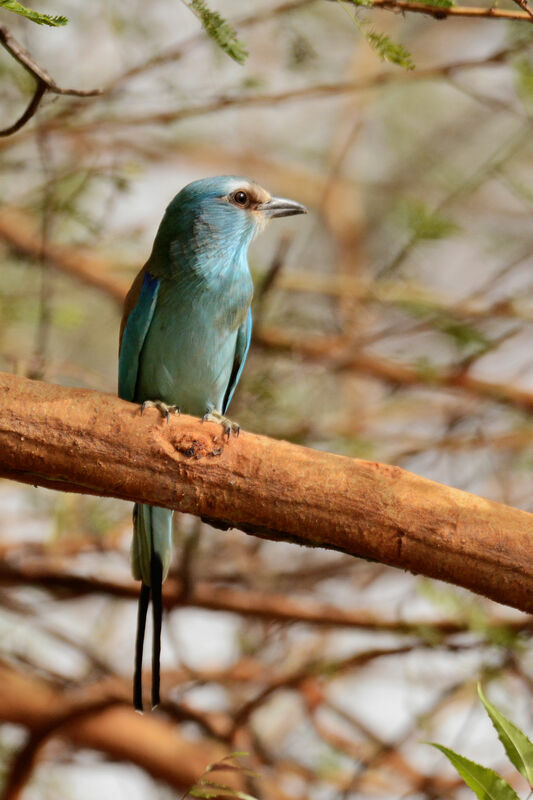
<point>82,441</point>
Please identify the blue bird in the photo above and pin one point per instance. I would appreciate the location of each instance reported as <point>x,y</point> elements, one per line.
<point>184,338</point>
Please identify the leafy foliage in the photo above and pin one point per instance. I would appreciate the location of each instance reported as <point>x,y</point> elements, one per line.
<point>382,44</point>
<point>464,336</point>
<point>484,782</point>
<point>386,49</point>
<point>424,223</point>
<point>218,29</point>
<point>518,746</point>
<point>34,16</point>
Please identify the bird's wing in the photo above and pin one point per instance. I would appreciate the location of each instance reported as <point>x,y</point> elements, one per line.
<point>138,312</point>
<point>244,335</point>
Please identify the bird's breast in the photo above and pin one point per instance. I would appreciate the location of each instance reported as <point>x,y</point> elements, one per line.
<point>188,354</point>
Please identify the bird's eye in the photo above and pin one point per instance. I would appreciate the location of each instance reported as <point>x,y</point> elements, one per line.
<point>241,198</point>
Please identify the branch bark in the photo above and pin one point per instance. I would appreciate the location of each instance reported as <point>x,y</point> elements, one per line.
<point>83,441</point>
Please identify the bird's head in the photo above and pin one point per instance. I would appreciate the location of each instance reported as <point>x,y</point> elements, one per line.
<point>216,218</point>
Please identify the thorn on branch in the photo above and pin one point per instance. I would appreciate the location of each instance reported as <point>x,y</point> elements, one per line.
<point>44,81</point>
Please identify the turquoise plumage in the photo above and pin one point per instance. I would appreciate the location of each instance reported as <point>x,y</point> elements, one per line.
<point>185,336</point>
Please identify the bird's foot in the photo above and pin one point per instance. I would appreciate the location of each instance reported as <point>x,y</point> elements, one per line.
<point>164,409</point>
<point>229,426</point>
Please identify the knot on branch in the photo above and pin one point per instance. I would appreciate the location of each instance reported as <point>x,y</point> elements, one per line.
<point>191,445</point>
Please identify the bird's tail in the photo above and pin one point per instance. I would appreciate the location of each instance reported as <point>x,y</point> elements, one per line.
<point>151,553</point>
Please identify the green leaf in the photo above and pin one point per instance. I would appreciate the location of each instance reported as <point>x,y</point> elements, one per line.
<point>518,747</point>
<point>484,782</point>
<point>218,29</point>
<point>425,223</point>
<point>35,16</point>
<point>464,336</point>
<point>388,50</point>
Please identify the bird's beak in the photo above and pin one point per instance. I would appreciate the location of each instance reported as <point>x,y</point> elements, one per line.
<point>281,207</point>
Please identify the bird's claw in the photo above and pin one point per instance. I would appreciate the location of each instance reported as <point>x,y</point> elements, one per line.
<point>164,409</point>
<point>228,426</point>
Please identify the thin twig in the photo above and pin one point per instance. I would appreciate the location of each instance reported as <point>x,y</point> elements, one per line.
<point>177,51</point>
<point>44,81</point>
<point>523,5</point>
<point>224,102</point>
<point>31,108</point>
<point>442,12</point>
